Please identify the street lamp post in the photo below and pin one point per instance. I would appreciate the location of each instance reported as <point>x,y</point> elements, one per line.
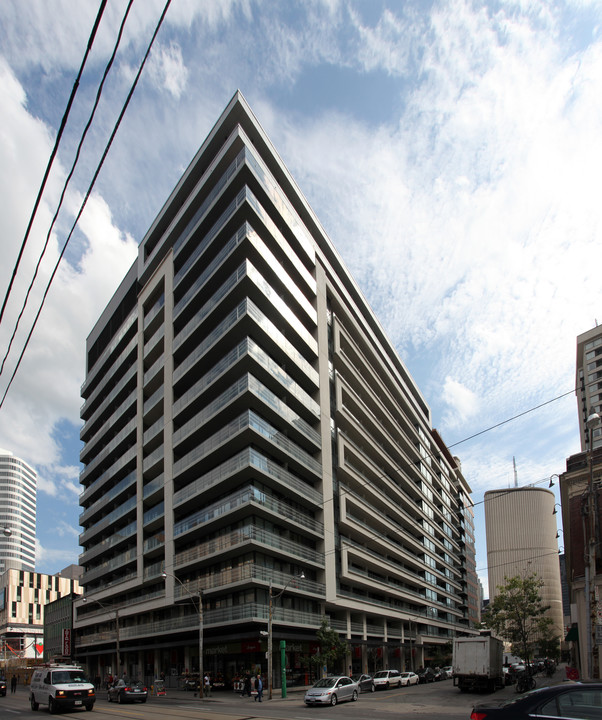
<point>116,611</point>
<point>273,597</point>
<point>200,611</point>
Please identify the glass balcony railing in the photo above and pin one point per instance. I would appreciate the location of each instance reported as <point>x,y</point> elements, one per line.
<point>128,457</point>
<point>246,458</point>
<point>242,537</point>
<point>246,307</point>
<point>129,376</point>
<point>101,502</point>
<point>99,457</point>
<point>108,520</point>
<point>247,383</point>
<point>242,573</point>
<point>102,547</point>
<point>130,320</point>
<point>246,420</point>
<point>249,495</point>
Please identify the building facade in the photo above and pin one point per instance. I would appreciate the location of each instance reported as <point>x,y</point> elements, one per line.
<point>246,422</point>
<point>24,595</point>
<point>581,497</point>
<point>520,525</point>
<point>17,513</point>
<point>589,385</point>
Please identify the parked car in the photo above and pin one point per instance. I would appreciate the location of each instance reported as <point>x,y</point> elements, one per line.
<point>569,700</point>
<point>384,679</point>
<point>2,687</point>
<point>331,690</point>
<point>448,670</point>
<point>426,675</point>
<point>128,692</point>
<point>409,678</point>
<point>364,682</point>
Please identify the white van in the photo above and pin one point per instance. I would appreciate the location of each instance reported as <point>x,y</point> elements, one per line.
<point>61,687</point>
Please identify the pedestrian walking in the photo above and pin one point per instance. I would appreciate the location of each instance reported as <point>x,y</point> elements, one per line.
<point>13,684</point>
<point>259,688</point>
<point>247,686</point>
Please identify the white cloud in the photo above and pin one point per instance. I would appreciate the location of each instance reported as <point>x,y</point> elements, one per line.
<point>56,557</point>
<point>167,69</point>
<point>46,387</point>
<point>461,401</point>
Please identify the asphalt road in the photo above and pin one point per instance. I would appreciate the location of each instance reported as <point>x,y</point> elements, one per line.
<point>437,700</point>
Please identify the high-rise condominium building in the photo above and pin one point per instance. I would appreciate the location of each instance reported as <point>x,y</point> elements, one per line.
<point>250,432</point>
<point>17,513</point>
<point>520,525</point>
<point>589,385</point>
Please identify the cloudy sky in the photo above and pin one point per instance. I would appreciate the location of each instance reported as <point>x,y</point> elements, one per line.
<point>452,151</point>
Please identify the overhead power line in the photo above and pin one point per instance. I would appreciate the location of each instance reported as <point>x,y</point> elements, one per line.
<point>67,180</point>
<point>515,417</point>
<point>53,154</point>
<point>88,192</point>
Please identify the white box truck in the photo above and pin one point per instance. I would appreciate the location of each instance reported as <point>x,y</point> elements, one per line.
<point>477,663</point>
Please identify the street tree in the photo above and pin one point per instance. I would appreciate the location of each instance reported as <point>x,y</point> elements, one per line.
<point>517,614</point>
<point>331,648</point>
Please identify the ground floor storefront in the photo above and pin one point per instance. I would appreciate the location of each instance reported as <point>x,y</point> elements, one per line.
<point>228,661</point>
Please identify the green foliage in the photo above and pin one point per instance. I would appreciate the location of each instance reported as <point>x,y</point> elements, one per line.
<point>332,648</point>
<point>517,614</point>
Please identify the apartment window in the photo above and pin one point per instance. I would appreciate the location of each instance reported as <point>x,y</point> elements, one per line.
<point>14,610</point>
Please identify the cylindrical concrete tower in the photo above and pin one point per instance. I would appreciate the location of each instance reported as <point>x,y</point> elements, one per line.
<point>521,540</point>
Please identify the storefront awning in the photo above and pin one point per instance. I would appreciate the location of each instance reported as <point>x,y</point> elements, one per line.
<point>573,634</point>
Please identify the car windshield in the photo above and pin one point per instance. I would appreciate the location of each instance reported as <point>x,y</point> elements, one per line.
<point>68,676</point>
<point>325,682</point>
<point>405,674</point>
<point>381,673</point>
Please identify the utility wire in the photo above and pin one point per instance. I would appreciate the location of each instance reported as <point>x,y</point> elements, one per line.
<point>88,193</point>
<point>68,179</point>
<point>526,412</point>
<point>53,153</point>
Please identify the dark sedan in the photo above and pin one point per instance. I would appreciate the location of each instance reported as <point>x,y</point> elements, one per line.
<point>569,700</point>
<point>2,687</point>
<point>128,692</point>
<point>364,682</point>
<point>427,675</point>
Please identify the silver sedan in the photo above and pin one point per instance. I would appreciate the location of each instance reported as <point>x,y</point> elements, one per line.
<point>331,690</point>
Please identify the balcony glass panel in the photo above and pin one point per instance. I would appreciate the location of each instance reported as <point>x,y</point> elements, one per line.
<point>247,457</point>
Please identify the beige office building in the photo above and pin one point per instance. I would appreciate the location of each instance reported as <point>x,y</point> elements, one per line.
<point>521,539</point>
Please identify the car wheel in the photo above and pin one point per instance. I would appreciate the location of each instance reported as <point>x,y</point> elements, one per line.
<point>373,688</point>
<point>387,685</point>
<point>143,700</point>
<point>33,703</point>
<point>89,707</point>
<point>333,699</point>
<point>109,697</point>
<point>51,706</point>
<point>121,699</point>
<point>354,696</point>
